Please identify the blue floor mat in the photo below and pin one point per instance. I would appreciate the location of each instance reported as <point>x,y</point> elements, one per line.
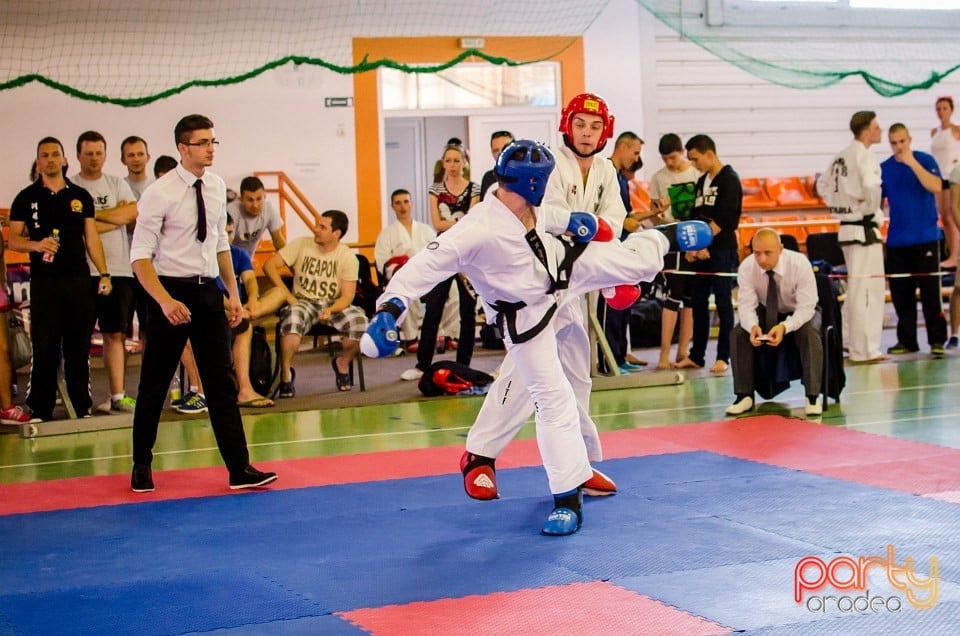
<point>291,558</point>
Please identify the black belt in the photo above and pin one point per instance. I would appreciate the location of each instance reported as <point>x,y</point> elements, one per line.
<point>868,224</point>
<point>507,317</point>
<point>191,280</point>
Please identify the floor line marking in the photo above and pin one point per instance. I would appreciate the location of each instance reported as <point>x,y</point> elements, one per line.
<point>184,451</point>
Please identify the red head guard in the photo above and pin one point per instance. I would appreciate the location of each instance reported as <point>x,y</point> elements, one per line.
<point>591,105</point>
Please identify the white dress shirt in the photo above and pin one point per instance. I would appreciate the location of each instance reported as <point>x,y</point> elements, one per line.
<point>166,230</point>
<point>796,290</point>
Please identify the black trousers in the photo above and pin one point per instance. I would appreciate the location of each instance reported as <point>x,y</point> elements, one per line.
<point>435,299</point>
<point>923,258</point>
<point>615,324</point>
<point>809,344</point>
<point>62,317</point>
<point>209,333</point>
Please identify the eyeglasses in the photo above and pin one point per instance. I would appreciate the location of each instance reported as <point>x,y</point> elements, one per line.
<point>203,143</point>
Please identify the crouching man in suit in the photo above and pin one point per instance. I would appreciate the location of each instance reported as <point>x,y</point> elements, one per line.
<point>784,281</point>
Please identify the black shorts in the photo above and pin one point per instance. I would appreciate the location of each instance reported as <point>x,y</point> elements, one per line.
<point>113,310</point>
<point>678,289</point>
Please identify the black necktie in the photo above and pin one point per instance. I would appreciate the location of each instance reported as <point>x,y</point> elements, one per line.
<point>772,305</point>
<point>201,213</point>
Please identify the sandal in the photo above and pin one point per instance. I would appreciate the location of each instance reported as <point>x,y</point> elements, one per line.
<point>344,383</point>
<point>287,389</point>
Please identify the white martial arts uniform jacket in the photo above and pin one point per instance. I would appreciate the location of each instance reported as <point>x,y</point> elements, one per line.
<point>850,187</point>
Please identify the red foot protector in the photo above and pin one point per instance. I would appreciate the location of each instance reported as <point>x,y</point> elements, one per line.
<point>479,479</point>
<point>599,485</point>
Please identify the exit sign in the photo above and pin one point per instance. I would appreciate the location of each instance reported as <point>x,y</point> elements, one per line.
<point>337,102</point>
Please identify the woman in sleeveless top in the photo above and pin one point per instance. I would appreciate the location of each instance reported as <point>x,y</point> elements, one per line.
<point>945,148</point>
<point>451,196</point>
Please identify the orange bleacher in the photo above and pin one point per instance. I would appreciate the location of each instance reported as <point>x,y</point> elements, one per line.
<point>754,196</point>
<point>11,258</point>
<point>790,193</point>
<point>639,195</point>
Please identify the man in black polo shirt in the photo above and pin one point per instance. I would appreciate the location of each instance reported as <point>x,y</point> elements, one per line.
<point>719,201</point>
<point>52,220</point>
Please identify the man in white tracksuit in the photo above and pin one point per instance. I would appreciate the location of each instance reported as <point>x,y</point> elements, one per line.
<point>850,186</point>
<point>514,264</point>
<point>578,183</point>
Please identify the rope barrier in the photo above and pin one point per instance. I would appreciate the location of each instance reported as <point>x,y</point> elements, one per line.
<point>680,272</point>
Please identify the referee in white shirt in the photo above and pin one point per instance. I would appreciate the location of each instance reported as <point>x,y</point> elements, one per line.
<point>778,296</point>
<point>179,248</point>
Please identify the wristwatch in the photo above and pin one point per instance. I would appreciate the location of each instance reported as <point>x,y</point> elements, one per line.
<point>104,275</point>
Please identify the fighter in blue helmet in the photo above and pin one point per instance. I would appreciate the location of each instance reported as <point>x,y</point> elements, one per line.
<point>515,266</point>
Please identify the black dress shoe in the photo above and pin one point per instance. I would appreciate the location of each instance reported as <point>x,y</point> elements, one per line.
<point>142,478</point>
<point>250,477</point>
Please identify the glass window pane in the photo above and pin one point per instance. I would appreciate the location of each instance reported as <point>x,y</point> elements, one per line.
<point>472,86</point>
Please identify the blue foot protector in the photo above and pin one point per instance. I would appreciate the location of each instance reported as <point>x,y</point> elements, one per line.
<point>567,514</point>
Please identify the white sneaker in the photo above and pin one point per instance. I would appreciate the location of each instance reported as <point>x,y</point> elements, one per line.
<point>813,407</point>
<point>742,405</point>
<point>411,374</point>
<point>105,407</point>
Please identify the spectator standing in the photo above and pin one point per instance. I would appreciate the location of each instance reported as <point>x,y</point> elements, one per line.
<point>851,188</point>
<point>115,211</point>
<point>53,220</point>
<point>451,197</point>
<point>955,294</point>
<point>945,148</point>
<point>676,171</point>
<point>626,161</point>
<point>498,139</point>
<point>135,156</point>
<point>911,185</point>
<point>719,201</point>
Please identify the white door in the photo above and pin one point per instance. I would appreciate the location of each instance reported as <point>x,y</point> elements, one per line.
<point>405,161</point>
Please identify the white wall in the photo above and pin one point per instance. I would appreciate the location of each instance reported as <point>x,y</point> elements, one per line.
<point>612,47</point>
<point>276,121</point>
<point>657,82</point>
<point>763,129</point>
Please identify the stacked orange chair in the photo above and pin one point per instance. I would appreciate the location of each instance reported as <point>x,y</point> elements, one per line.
<point>639,195</point>
<point>754,195</point>
<point>829,224</point>
<point>796,231</point>
<point>790,193</point>
<point>745,231</point>
<point>810,183</point>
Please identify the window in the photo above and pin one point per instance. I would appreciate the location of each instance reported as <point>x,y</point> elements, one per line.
<point>472,86</point>
<point>834,13</point>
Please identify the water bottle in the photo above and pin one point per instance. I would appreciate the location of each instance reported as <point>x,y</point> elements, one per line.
<point>175,392</point>
<point>47,256</point>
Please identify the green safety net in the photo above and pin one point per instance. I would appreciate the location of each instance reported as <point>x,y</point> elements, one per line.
<point>813,45</point>
<point>132,53</point>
